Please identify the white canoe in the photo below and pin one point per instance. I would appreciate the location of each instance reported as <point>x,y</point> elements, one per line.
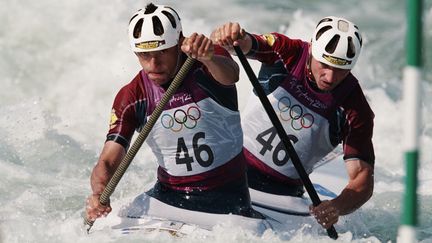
<point>292,213</point>
<point>282,212</point>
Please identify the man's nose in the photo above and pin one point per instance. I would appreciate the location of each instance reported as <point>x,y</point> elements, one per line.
<point>330,76</point>
<point>154,61</point>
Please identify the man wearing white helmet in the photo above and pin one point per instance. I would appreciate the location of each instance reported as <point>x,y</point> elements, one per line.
<point>320,104</point>
<point>198,138</point>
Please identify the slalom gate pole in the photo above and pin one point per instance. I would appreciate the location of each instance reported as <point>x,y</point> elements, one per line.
<point>412,76</point>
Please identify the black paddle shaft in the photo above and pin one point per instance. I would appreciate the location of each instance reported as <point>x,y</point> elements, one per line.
<point>282,135</point>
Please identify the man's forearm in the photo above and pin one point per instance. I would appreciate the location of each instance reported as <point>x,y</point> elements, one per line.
<point>100,177</point>
<point>358,191</point>
<point>223,69</point>
<point>349,200</point>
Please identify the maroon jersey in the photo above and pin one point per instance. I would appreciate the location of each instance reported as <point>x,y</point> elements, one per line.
<point>197,140</point>
<point>315,121</point>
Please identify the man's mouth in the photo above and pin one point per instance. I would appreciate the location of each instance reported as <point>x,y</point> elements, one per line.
<point>155,74</point>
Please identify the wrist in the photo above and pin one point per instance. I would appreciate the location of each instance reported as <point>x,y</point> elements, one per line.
<point>207,60</point>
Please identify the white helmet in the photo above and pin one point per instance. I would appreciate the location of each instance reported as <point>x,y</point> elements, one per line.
<point>336,42</point>
<point>154,28</point>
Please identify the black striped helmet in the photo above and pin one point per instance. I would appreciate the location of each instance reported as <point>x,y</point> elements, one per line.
<point>336,42</point>
<point>154,28</point>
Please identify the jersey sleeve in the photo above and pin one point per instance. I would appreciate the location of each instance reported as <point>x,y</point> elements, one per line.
<point>127,115</point>
<point>269,48</point>
<point>359,130</point>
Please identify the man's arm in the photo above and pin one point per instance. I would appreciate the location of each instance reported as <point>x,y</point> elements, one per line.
<point>268,48</point>
<point>110,158</point>
<point>223,69</point>
<point>354,195</point>
<point>359,188</point>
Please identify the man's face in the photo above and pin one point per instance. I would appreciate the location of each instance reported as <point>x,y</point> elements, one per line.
<point>160,66</point>
<point>327,77</point>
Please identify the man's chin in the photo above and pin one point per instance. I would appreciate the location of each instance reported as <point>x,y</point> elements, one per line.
<point>325,87</point>
<point>158,79</point>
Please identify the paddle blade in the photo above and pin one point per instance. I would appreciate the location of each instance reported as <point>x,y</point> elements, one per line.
<point>332,233</point>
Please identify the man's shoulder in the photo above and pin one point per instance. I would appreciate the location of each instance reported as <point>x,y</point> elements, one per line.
<point>135,83</point>
<point>354,90</point>
<point>133,88</point>
<point>130,93</point>
<point>359,113</point>
<point>271,38</point>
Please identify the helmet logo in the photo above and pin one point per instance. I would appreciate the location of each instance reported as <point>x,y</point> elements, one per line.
<point>336,60</point>
<point>149,44</point>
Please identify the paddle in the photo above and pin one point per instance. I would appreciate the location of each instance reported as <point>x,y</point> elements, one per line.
<point>124,164</point>
<point>282,135</point>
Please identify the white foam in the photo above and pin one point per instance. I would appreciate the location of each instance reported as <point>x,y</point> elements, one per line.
<point>63,62</point>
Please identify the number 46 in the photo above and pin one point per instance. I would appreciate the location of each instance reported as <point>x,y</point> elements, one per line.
<point>197,149</point>
<point>267,146</point>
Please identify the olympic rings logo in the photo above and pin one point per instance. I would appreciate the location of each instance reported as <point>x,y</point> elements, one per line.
<point>180,118</point>
<point>294,113</point>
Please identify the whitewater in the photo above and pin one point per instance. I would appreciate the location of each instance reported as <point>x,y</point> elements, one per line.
<point>62,62</point>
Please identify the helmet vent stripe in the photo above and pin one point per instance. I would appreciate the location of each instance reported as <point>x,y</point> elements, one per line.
<point>170,18</point>
<point>158,28</point>
<point>333,43</point>
<point>351,48</point>
<point>325,20</point>
<point>359,37</point>
<point>137,29</point>
<point>173,11</point>
<point>321,31</point>
<point>132,18</point>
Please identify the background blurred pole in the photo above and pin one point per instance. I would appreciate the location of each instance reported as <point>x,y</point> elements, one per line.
<point>412,76</point>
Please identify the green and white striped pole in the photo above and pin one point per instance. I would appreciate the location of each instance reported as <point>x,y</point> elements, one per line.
<point>412,76</point>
